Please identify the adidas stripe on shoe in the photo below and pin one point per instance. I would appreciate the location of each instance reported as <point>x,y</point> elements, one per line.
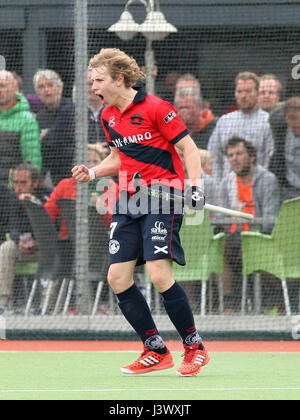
<point>194,360</point>
<point>149,361</point>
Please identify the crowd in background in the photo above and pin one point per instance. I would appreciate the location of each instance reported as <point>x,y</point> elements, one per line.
<point>250,157</point>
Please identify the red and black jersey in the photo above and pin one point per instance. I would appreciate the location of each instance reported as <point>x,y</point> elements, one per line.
<point>145,135</point>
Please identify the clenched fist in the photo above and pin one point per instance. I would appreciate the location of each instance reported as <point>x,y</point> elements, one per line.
<point>83,174</point>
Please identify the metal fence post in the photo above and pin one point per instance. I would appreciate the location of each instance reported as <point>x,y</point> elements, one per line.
<point>81,64</point>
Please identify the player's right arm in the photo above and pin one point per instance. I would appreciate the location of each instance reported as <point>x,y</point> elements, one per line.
<point>108,167</point>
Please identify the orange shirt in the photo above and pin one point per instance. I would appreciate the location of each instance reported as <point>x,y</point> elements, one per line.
<point>207,117</point>
<point>245,197</point>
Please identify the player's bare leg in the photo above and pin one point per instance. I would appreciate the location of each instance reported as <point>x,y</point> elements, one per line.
<point>161,275</point>
<point>120,276</point>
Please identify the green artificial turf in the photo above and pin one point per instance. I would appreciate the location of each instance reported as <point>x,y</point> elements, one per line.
<point>97,376</point>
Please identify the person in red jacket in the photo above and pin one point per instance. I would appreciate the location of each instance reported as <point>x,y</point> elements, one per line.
<point>104,200</point>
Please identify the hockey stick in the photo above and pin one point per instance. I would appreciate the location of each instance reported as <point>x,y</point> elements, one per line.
<point>179,199</point>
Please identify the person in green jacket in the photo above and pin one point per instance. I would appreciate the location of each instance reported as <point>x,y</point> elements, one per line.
<point>19,130</point>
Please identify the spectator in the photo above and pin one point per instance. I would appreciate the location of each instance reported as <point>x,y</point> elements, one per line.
<point>5,197</point>
<point>210,189</point>
<point>188,81</point>
<point>19,132</point>
<point>63,143</point>
<point>96,154</point>
<point>34,101</point>
<point>190,109</point>
<point>36,105</point>
<point>206,161</point>
<point>249,188</point>
<point>285,163</point>
<point>249,122</point>
<point>66,188</point>
<point>49,88</point>
<point>19,84</point>
<point>166,88</point>
<point>21,247</point>
<point>101,194</point>
<point>269,92</point>
<point>211,196</point>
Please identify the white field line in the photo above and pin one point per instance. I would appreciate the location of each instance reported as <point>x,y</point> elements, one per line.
<point>100,390</point>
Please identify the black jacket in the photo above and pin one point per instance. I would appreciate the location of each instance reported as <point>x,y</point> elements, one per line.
<point>18,219</point>
<point>5,199</point>
<point>202,137</point>
<point>60,157</point>
<point>46,117</point>
<point>279,129</point>
<point>47,121</point>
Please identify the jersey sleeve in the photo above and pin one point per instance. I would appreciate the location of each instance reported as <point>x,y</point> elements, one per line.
<point>169,124</point>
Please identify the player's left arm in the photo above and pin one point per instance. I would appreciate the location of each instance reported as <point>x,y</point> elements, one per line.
<point>194,195</point>
<point>192,160</point>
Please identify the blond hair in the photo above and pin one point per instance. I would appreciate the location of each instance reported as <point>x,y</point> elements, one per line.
<point>99,149</point>
<point>205,157</point>
<point>118,63</point>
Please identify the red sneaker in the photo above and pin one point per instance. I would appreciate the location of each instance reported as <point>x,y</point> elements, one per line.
<point>149,361</point>
<point>194,360</point>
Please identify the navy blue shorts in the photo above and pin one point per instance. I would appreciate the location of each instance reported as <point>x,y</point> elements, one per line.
<point>146,237</point>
